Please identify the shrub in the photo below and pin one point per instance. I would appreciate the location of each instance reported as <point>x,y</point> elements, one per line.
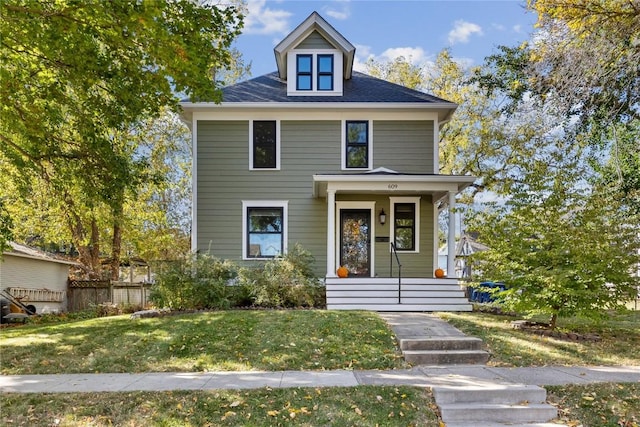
<point>197,282</point>
<point>205,282</point>
<point>286,281</point>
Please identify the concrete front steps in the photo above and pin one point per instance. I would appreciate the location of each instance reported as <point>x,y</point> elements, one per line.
<point>443,350</point>
<point>492,405</point>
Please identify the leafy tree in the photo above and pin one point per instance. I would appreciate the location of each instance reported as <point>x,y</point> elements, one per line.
<point>400,71</point>
<point>620,171</point>
<point>5,227</point>
<point>561,246</point>
<point>75,79</point>
<point>479,140</point>
<point>587,52</point>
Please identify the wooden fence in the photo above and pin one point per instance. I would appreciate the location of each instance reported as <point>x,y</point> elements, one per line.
<point>84,294</point>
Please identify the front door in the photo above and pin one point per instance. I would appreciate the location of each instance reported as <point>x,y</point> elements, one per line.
<point>355,241</point>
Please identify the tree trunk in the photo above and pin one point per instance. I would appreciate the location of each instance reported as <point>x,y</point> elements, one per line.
<point>89,251</point>
<point>553,322</point>
<point>116,245</point>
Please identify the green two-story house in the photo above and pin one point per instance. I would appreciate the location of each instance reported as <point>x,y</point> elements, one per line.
<point>338,161</point>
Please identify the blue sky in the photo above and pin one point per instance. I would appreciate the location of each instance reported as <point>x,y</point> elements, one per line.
<point>385,29</point>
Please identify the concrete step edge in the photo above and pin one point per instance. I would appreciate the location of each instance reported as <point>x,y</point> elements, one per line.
<point>481,424</point>
<point>478,413</point>
<point>498,393</point>
<point>445,357</point>
<point>441,343</point>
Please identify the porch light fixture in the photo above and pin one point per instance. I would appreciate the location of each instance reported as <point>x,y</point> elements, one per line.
<point>382,217</point>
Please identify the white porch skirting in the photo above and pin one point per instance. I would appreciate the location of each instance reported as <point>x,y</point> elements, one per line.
<point>382,294</point>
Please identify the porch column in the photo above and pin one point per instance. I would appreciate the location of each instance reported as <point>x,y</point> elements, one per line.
<point>451,239</point>
<point>331,234</point>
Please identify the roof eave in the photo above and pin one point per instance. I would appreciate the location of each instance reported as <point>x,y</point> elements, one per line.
<point>445,109</point>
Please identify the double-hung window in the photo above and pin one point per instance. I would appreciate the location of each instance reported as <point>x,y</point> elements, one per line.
<point>264,150</point>
<point>405,223</point>
<point>264,229</point>
<point>304,72</point>
<point>325,72</point>
<point>356,145</point>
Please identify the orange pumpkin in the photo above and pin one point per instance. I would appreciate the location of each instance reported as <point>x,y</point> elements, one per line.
<point>439,273</point>
<point>342,272</point>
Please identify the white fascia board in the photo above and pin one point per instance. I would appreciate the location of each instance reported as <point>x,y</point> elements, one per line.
<point>390,184</point>
<point>200,106</point>
<point>37,258</point>
<point>429,111</point>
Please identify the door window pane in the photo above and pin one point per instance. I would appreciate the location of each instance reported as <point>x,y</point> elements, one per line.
<point>355,241</point>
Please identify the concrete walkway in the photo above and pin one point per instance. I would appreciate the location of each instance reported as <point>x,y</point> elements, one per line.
<point>404,325</point>
<point>423,376</point>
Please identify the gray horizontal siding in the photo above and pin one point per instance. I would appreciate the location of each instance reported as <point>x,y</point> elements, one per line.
<point>315,41</point>
<point>413,264</point>
<point>224,180</point>
<point>307,148</point>
<point>405,146</point>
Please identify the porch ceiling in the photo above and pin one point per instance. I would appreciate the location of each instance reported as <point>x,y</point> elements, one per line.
<point>437,186</point>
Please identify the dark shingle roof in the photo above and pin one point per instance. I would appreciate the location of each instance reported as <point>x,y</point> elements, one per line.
<point>360,88</point>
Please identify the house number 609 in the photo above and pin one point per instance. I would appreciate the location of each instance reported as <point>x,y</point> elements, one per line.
<point>392,186</point>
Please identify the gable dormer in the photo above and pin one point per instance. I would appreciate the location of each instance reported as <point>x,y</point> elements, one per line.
<point>314,59</point>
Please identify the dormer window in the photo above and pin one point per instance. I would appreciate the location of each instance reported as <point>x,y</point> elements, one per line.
<point>315,72</point>
<point>325,72</point>
<point>304,72</point>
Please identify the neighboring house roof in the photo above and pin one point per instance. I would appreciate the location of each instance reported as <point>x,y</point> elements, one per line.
<point>314,23</point>
<point>269,90</point>
<point>22,251</point>
<point>469,246</point>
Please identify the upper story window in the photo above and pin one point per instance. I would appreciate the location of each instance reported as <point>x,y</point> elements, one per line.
<point>314,72</point>
<point>304,72</point>
<point>264,145</point>
<point>325,72</point>
<point>357,145</point>
<point>405,223</point>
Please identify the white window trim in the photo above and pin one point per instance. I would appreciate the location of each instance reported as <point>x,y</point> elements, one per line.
<point>343,136</point>
<point>277,168</point>
<point>284,204</point>
<point>416,202</point>
<point>338,76</point>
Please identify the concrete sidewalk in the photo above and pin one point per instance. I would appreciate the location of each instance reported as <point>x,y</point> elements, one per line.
<point>423,376</point>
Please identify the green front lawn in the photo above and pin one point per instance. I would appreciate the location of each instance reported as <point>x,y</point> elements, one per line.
<point>619,344</point>
<point>354,406</point>
<point>211,341</point>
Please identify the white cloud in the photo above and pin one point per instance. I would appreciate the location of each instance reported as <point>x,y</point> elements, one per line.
<point>264,20</point>
<point>462,30</point>
<point>415,55</point>
<point>363,53</point>
<point>517,28</point>
<point>341,11</point>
